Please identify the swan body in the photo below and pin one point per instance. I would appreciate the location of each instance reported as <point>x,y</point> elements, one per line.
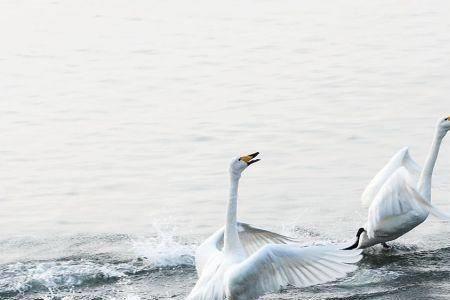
<point>242,262</point>
<point>399,196</point>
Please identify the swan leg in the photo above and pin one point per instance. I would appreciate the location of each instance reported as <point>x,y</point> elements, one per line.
<point>386,246</point>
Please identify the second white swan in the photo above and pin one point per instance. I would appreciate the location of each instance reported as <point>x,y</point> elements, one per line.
<point>399,196</point>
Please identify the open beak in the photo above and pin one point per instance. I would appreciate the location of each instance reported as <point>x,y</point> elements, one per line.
<point>249,159</point>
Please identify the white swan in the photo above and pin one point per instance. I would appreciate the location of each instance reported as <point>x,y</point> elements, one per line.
<point>399,196</point>
<point>241,262</point>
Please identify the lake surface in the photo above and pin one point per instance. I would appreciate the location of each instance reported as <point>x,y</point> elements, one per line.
<point>118,120</point>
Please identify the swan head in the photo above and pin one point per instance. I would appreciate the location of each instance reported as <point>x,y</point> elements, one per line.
<point>444,125</point>
<point>239,164</point>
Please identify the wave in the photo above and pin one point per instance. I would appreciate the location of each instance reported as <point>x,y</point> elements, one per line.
<point>103,259</point>
<point>50,275</point>
<point>145,255</point>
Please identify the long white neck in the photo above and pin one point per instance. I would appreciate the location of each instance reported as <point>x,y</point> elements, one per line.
<point>424,185</point>
<point>231,239</point>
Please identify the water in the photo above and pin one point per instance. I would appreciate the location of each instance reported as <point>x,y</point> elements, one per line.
<point>118,120</point>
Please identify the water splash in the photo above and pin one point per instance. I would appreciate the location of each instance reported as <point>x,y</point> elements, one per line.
<point>164,250</point>
<point>51,276</point>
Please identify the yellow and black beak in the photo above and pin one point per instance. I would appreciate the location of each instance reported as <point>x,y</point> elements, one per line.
<point>249,159</point>
<point>448,118</point>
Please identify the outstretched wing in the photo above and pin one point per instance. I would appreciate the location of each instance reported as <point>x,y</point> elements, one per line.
<point>252,239</point>
<point>275,266</point>
<point>208,251</point>
<point>399,207</point>
<point>210,285</point>
<point>401,159</point>
<point>395,210</point>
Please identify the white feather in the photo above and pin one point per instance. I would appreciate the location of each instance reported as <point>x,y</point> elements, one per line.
<point>276,266</point>
<point>394,210</point>
<point>401,159</point>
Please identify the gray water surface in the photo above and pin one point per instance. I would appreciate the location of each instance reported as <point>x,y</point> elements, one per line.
<point>118,120</point>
